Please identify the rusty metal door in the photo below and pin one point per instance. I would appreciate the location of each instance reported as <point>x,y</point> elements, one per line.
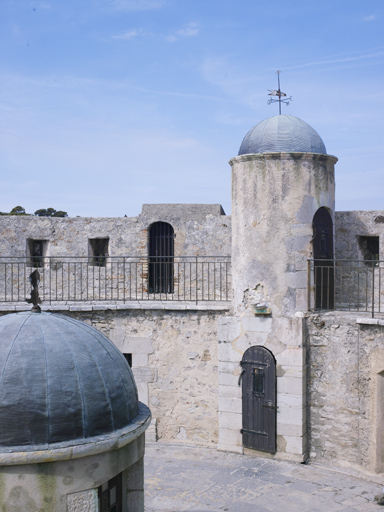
<point>259,399</point>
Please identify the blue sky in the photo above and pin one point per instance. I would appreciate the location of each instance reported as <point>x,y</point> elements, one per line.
<point>108,104</point>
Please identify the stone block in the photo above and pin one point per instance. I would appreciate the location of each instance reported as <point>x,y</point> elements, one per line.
<point>142,391</point>
<point>226,353</point>
<point>83,501</point>
<point>282,429</point>
<point>230,420</point>
<point>291,356</point>
<point>295,445</point>
<point>143,374</point>
<point>230,438</point>
<point>138,346</point>
<point>230,367</point>
<point>291,415</point>
<point>134,476</point>
<point>302,299</point>
<point>297,279</point>
<point>103,307</point>
<point>302,229</point>
<point>257,324</point>
<point>140,360</point>
<point>230,391</point>
<point>228,379</point>
<point>291,400</point>
<point>297,243</point>
<point>228,329</point>
<point>230,404</point>
<point>290,385</point>
<point>135,501</point>
<point>249,339</point>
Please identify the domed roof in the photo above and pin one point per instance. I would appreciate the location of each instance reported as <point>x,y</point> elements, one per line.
<point>60,380</point>
<point>282,134</point>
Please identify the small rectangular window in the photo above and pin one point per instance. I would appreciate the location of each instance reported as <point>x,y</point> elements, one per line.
<point>369,248</point>
<point>36,251</point>
<point>258,381</point>
<point>98,251</point>
<point>128,357</point>
<point>110,495</point>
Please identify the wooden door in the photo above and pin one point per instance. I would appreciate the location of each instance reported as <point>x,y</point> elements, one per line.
<point>259,399</point>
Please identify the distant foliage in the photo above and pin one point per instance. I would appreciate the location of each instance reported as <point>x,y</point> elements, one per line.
<point>49,212</point>
<point>17,210</point>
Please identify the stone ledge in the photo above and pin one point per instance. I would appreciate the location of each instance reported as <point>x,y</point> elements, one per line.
<point>369,321</point>
<point>153,305</point>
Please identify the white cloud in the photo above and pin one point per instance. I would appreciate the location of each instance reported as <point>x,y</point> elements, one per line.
<point>127,35</point>
<point>372,17</point>
<point>134,5</point>
<point>190,30</point>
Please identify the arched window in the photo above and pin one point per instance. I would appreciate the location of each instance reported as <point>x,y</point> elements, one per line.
<point>323,259</point>
<point>161,255</point>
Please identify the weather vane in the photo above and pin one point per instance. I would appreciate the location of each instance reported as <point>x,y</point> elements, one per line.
<point>278,93</point>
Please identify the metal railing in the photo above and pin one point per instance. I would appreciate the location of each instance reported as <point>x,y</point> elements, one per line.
<point>117,279</point>
<point>346,285</point>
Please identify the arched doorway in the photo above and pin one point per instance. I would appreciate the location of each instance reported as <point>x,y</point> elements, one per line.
<point>259,399</point>
<point>324,273</point>
<point>161,256</point>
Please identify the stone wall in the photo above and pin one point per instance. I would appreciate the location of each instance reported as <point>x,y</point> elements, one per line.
<point>284,338</point>
<point>350,225</point>
<point>174,362</point>
<point>345,392</point>
<point>199,230</point>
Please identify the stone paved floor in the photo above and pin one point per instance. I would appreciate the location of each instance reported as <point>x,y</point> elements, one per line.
<point>185,478</point>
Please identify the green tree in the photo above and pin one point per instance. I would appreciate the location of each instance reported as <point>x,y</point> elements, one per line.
<point>50,212</point>
<point>18,210</point>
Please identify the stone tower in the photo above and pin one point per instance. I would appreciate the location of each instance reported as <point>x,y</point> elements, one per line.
<point>281,177</point>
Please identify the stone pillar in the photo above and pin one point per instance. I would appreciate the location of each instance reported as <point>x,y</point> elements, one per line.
<point>133,481</point>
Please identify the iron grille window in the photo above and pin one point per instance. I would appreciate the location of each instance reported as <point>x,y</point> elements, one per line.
<point>110,495</point>
<point>98,251</point>
<point>258,381</point>
<point>161,258</point>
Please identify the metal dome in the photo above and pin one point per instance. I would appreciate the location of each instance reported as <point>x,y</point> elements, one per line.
<point>282,134</point>
<point>60,380</point>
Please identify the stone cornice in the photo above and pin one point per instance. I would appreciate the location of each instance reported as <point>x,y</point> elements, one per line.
<point>283,156</point>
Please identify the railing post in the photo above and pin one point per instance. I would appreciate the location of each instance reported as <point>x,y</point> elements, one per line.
<point>373,289</point>
<point>196,272</point>
<point>308,285</point>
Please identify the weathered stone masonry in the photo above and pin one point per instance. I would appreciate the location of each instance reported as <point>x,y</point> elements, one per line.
<point>174,362</point>
<point>345,389</point>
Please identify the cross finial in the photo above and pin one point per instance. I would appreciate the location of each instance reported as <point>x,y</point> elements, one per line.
<point>278,93</point>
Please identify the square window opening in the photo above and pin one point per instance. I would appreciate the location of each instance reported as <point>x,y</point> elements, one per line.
<point>128,357</point>
<point>36,251</point>
<point>369,249</point>
<point>98,251</point>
